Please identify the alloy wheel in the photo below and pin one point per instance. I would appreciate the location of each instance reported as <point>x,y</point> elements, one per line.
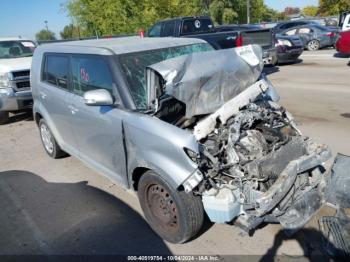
<point>46,137</point>
<point>313,45</point>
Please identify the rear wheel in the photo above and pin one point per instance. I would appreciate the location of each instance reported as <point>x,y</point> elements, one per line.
<point>313,45</point>
<point>49,142</point>
<point>4,117</point>
<point>174,215</point>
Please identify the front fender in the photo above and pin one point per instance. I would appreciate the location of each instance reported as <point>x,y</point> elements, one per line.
<point>159,146</point>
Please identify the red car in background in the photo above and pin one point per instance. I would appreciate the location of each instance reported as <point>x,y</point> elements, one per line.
<point>343,43</point>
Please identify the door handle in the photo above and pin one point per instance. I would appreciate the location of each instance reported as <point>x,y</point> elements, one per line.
<point>73,109</point>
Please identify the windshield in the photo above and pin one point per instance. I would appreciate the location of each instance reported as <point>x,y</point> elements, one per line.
<point>15,49</point>
<point>134,66</point>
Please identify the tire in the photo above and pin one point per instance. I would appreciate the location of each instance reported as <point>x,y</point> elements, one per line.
<point>313,45</point>
<point>174,215</point>
<point>4,117</point>
<point>49,142</point>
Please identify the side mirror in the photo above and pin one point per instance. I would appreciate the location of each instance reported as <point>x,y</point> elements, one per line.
<point>99,97</point>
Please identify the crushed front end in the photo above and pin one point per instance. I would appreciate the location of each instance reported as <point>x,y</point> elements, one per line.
<point>257,167</point>
<point>254,165</point>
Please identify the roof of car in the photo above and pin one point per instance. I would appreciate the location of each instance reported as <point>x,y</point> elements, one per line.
<point>184,18</point>
<point>121,45</point>
<point>313,26</point>
<point>15,38</point>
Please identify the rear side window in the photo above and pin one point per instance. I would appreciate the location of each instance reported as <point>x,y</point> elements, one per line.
<point>291,32</point>
<point>56,70</point>
<point>90,73</point>
<point>304,30</point>
<point>168,29</point>
<point>192,26</point>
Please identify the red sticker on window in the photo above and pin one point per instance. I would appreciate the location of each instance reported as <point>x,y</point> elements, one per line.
<point>84,75</point>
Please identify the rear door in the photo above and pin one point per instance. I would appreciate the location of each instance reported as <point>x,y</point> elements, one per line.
<point>306,34</point>
<point>98,128</point>
<point>54,94</point>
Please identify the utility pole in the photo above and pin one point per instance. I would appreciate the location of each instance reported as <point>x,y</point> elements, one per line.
<point>248,11</point>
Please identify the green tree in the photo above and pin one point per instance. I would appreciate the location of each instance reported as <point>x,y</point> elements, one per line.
<point>222,12</point>
<point>333,7</point>
<point>129,16</point>
<point>45,35</point>
<point>228,11</point>
<point>125,16</point>
<point>310,10</point>
<point>70,31</point>
<point>269,14</point>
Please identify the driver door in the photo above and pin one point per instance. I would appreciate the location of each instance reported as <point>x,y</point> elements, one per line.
<point>98,129</point>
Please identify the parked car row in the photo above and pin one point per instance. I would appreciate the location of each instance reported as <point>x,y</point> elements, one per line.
<point>223,37</point>
<point>314,37</point>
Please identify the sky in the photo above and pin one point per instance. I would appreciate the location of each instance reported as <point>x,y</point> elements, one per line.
<point>26,17</point>
<point>281,4</point>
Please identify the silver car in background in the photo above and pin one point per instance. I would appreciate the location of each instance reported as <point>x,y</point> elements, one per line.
<point>191,129</point>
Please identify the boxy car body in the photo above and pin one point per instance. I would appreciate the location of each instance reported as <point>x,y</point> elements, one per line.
<point>151,114</point>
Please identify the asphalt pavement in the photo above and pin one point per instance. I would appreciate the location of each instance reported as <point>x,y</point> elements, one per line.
<point>62,207</point>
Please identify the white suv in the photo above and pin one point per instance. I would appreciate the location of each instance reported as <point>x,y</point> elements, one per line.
<point>15,61</point>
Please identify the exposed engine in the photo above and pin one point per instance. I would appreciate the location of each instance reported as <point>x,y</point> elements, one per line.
<point>242,161</point>
<point>253,163</point>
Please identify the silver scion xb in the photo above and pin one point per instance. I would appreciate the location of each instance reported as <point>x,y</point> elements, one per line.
<point>191,129</point>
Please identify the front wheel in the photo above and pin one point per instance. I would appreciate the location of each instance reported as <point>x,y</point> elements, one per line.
<point>174,215</point>
<point>313,45</point>
<point>4,117</point>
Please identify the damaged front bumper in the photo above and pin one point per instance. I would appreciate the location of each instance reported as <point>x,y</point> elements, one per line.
<point>284,202</point>
<point>305,202</point>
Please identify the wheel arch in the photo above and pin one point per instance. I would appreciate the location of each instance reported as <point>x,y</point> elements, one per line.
<point>37,118</point>
<point>136,175</point>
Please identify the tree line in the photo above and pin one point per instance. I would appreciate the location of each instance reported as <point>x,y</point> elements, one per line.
<point>111,17</point>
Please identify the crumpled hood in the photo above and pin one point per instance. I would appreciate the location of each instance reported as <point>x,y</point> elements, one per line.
<point>15,64</point>
<point>205,81</point>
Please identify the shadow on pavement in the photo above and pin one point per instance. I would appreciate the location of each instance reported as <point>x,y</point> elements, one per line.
<point>310,240</point>
<point>340,55</point>
<point>38,217</point>
<point>298,61</point>
<point>20,116</point>
<point>268,70</point>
